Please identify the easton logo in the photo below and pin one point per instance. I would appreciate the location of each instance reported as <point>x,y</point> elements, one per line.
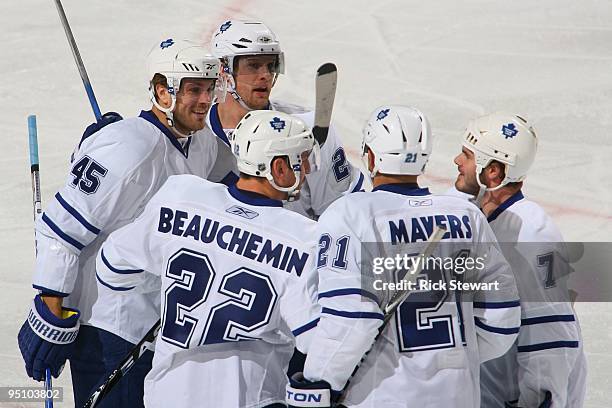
<point>382,114</point>
<point>166,43</point>
<point>277,124</point>
<point>242,212</point>
<point>509,130</point>
<point>225,26</point>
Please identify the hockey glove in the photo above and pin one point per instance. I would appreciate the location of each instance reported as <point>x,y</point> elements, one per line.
<point>547,403</point>
<point>304,393</point>
<point>45,340</point>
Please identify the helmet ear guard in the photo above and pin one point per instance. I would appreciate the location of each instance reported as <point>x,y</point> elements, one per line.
<point>506,138</point>
<point>400,139</point>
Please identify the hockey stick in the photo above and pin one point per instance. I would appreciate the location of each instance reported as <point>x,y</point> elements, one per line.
<point>325,87</point>
<point>396,300</point>
<point>36,204</point>
<point>78,60</point>
<point>126,365</point>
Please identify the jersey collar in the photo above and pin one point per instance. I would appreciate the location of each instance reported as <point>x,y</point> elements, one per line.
<point>411,189</point>
<point>215,124</point>
<point>252,198</point>
<point>505,205</point>
<point>149,116</point>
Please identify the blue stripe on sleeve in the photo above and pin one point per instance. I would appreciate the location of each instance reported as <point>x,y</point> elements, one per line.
<point>497,305</point>
<point>353,315</point>
<point>547,319</point>
<point>359,183</point>
<point>121,271</point>
<point>47,291</point>
<point>546,346</point>
<point>61,233</point>
<point>348,291</point>
<point>76,214</point>
<point>498,330</point>
<point>305,327</point>
<point>117,288</point>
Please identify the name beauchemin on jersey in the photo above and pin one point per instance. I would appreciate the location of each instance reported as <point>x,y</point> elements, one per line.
<point>428,285</point>
<point>232,239</point>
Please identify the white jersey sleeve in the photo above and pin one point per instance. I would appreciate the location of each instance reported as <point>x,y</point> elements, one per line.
<point>102,184</point>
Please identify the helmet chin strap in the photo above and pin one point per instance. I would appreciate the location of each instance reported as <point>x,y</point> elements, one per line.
<point>169,114</point>
<point>483,188</point>
<point>293,192</point>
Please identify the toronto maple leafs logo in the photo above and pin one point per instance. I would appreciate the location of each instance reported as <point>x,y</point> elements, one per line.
<point>382,114</point>
<point>277,124</point>
<point>509,130</point>
<point>225,26</point>
<point>166,43</point>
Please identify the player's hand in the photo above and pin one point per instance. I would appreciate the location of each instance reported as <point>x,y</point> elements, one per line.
<point>547,403</point>
<point>105,120</point>
<point>303,393</point>
<point>46,340</point>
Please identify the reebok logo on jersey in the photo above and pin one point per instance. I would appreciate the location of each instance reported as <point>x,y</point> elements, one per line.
<point>509,130</point>
<point>420,203</point>
<point>242,212</point>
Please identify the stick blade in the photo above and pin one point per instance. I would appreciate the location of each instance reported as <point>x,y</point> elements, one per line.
<point>325,87</point>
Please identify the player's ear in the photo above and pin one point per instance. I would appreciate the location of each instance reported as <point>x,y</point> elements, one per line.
<point>162,95</point>
<point>370,159</point>
<point>280,171</point>
<point>494,173</point>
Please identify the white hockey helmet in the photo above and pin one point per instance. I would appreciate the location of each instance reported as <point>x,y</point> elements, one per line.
<point>177,60</point>
<point>503,137</point>
<point>235,38</point>
<point>263,135</point>
<point>400,138</point>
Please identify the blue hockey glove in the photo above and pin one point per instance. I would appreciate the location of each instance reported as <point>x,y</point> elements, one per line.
<point>45,340</point>
<point>303,393</point>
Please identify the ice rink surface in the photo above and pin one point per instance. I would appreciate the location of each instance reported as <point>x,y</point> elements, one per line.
<point>550,60</point>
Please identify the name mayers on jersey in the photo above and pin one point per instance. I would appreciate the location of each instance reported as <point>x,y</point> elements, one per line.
<point>232,239</point>
<point>421,228</point>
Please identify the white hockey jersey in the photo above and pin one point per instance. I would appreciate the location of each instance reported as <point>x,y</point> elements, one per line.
<point>336,176</point>
<point>429,353</point>
<point>114,173</point>
<point>238,291</point>
<point>548,354</point>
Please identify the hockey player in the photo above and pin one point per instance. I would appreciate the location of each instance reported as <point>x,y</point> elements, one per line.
<point>237,272</point>
<point>429,353</point>
<point>252,59</point>
<point>547,364</point>
<point>114,173</point>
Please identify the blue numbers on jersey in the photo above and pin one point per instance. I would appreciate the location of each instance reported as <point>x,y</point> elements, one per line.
<point>340,165</point>
<point>419,323</point>
<point>87,173</point>
<point>252,298</point>
<point>410,158</point>
<point>547,261</point>
<point>193,274</point>
<point>342,247</point>
<point>251,301</point>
